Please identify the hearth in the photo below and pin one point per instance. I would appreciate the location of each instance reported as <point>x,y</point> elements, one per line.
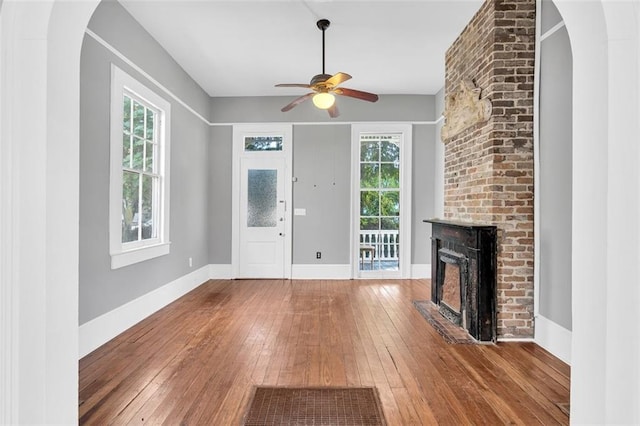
<point>463,271</point>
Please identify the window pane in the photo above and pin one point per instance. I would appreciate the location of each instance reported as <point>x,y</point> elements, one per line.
<point>147,207</point>
<point>150,120</point>
<point>262,198</point>
<point>126,150</point>
<point>138,153</point>
<point>390,223</point>
<point>369,223</point>
<point>390,150</point>
<point>390,176</point>
<point>126,114</point>
<point>149,156</point>
<point>390,203</point>
<point>138,119</point>
<point>130,217</point>
<point>263,143</point>
<point>369,151</point>
<point>369,177</point>
<point>369,203</point>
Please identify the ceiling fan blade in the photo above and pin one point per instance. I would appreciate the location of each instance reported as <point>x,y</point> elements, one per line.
<point>333,111</point>
<point>337,79</point>
<point>358,94</point>
<point>307,86</point>
<point>297,101</point>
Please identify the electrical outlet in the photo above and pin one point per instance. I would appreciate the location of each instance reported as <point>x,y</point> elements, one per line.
<point>190,262</point>
<point>318,255</point>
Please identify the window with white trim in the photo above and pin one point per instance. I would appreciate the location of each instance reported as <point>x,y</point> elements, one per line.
<point>139,186</point>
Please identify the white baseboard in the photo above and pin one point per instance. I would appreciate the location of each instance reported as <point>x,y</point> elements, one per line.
<point>515,339</point>
<point>100,330</point>
<point>554,338</point>
<point>421,271</point>
<point>321,272</point>
<point>220,271</point>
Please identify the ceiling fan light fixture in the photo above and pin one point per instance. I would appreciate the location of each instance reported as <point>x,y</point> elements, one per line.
<point>324,100</point>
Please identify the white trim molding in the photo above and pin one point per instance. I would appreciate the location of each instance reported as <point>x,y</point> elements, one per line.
<point>422,270</point>
<point>220,271</point>
<point>554,338</point>
<point>551,30</point>
<point>100,330</point>
<point>9,285</point>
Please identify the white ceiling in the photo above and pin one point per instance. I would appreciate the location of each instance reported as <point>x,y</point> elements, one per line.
<point>244,48</point>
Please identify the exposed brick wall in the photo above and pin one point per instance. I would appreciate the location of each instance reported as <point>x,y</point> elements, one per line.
<point>489,167</point>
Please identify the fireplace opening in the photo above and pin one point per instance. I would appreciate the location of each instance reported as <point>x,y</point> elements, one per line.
<point>454,271</point>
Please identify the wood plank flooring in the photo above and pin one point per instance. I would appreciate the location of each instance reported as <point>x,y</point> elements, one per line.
<point>196,361</point>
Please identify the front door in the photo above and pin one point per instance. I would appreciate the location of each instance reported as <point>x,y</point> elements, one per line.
<point>261,201</point>
<point>262,218</point>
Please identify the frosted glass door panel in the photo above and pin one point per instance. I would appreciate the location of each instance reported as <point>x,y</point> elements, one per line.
<point>262,198</point>
<point>262,218</point>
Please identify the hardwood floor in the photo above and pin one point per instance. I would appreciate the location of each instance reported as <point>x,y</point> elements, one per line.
<point>195,362</point>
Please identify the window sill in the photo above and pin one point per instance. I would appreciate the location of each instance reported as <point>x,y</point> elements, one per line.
<point>126,258</point>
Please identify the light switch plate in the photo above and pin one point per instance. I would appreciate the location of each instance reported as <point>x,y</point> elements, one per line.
<point>300,212</point>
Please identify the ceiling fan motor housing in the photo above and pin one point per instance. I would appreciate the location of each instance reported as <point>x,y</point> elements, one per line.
<point>319,78</point>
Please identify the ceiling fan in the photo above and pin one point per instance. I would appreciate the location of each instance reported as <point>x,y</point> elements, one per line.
<point>324,86</point>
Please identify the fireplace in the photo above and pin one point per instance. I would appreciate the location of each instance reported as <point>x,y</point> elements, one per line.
<point>463,271</point>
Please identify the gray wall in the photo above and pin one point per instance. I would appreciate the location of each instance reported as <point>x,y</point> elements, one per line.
<point>322,164</point>
<point>439,154</point>
<point>219,194</point>
<point>266,109</point>
<point>555,183</point>
<point>423,188</point>
<point>102,289</point>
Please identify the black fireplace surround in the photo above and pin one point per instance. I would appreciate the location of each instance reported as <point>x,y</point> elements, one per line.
<point>470,250</point>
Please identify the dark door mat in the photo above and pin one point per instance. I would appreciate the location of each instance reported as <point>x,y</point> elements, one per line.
<point>449,331</point>
<point>315,406</point>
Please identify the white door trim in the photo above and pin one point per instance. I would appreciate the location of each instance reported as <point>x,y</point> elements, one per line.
<point>406,193</point>
<point>266,129</point>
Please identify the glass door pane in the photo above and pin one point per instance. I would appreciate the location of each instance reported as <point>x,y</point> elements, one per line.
<point>379,202</point>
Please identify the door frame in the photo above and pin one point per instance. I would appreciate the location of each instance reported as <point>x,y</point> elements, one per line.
<point>266,129</point>
<point>406,196</point>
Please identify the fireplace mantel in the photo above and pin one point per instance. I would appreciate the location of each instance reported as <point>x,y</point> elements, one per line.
<point>472,247</point>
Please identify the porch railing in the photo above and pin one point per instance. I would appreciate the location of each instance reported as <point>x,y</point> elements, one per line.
<point>385,243</point>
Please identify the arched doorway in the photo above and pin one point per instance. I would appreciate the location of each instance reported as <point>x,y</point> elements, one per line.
<point>39,81</point>
<point>605,381</point>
